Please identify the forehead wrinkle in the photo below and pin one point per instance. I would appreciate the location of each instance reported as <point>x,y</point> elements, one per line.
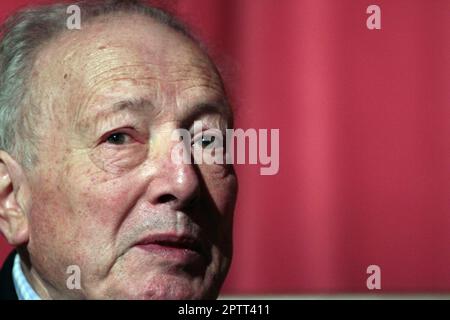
<point>202,70</point>
<point>122,72</point>
<point>128,72</point>
<point>132,105</point>
<point>138,104</point>
<point>98,67</point>
<point>198,84</point>
<point>101,66</point>
<point>92,91</point>
<point>150,60</point>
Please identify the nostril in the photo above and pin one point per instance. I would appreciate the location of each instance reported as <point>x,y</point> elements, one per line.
<point>165,198</point>
<point>174,201</point>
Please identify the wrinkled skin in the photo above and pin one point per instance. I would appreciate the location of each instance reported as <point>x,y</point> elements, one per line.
<point>104,177</point>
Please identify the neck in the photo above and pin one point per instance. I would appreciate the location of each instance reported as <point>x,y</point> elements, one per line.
<point>33,277</point>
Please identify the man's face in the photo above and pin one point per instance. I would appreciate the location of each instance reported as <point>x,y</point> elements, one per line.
<point>106,195</point>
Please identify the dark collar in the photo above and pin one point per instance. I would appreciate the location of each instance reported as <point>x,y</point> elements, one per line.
<point>7,290</point>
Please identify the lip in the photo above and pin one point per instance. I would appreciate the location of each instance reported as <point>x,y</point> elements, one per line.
<point>173,246</point>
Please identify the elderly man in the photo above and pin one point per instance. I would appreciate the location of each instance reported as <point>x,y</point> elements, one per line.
<point>88,189</point>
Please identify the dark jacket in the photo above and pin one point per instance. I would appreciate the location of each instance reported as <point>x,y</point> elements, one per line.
<point>7,290</point>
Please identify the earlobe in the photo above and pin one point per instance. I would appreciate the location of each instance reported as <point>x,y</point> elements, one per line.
<point>15,200</point>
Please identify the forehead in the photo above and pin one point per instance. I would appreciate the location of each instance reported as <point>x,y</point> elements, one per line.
<point>135,35</point>
<point>131,49</point>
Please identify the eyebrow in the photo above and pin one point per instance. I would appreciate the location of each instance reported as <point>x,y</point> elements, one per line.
<point>132,104</point>
<point>219,107</point>
<point>201,109</point>
<point>136,105</point>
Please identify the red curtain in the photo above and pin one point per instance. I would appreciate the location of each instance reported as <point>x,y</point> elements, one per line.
<point>364,119</point>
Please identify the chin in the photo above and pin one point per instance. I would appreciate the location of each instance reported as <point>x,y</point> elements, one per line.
<point>168,288</point>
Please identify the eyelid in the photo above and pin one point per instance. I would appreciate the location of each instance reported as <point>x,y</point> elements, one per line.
<point>130,131</point>
<point>204,133</point>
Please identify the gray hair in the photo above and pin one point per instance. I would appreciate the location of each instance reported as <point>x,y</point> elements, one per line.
<point>21,37</point>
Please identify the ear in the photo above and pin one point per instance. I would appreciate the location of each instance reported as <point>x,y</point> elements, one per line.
<point>15,201</point>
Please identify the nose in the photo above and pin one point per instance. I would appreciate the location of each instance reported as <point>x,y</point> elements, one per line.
<point>175,183</point>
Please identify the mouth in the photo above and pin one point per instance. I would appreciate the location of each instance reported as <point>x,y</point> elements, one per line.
<point>183,248</point>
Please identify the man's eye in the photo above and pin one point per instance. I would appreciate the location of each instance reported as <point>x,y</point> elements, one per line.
<point>118,138</point>
<point>207,141</point>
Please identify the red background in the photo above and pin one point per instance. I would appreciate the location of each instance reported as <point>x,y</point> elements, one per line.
<point>364,119</point>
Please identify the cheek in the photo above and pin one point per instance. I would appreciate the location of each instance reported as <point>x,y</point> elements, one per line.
<point>78,215</point>
<point>80,211</point>
<point>108,202</point>
<point>221,183</point>
<point>118,160</point>
<point>102,200</point>
<point>52,229</point>
<point>49,211</point>
<point>222,187</point>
